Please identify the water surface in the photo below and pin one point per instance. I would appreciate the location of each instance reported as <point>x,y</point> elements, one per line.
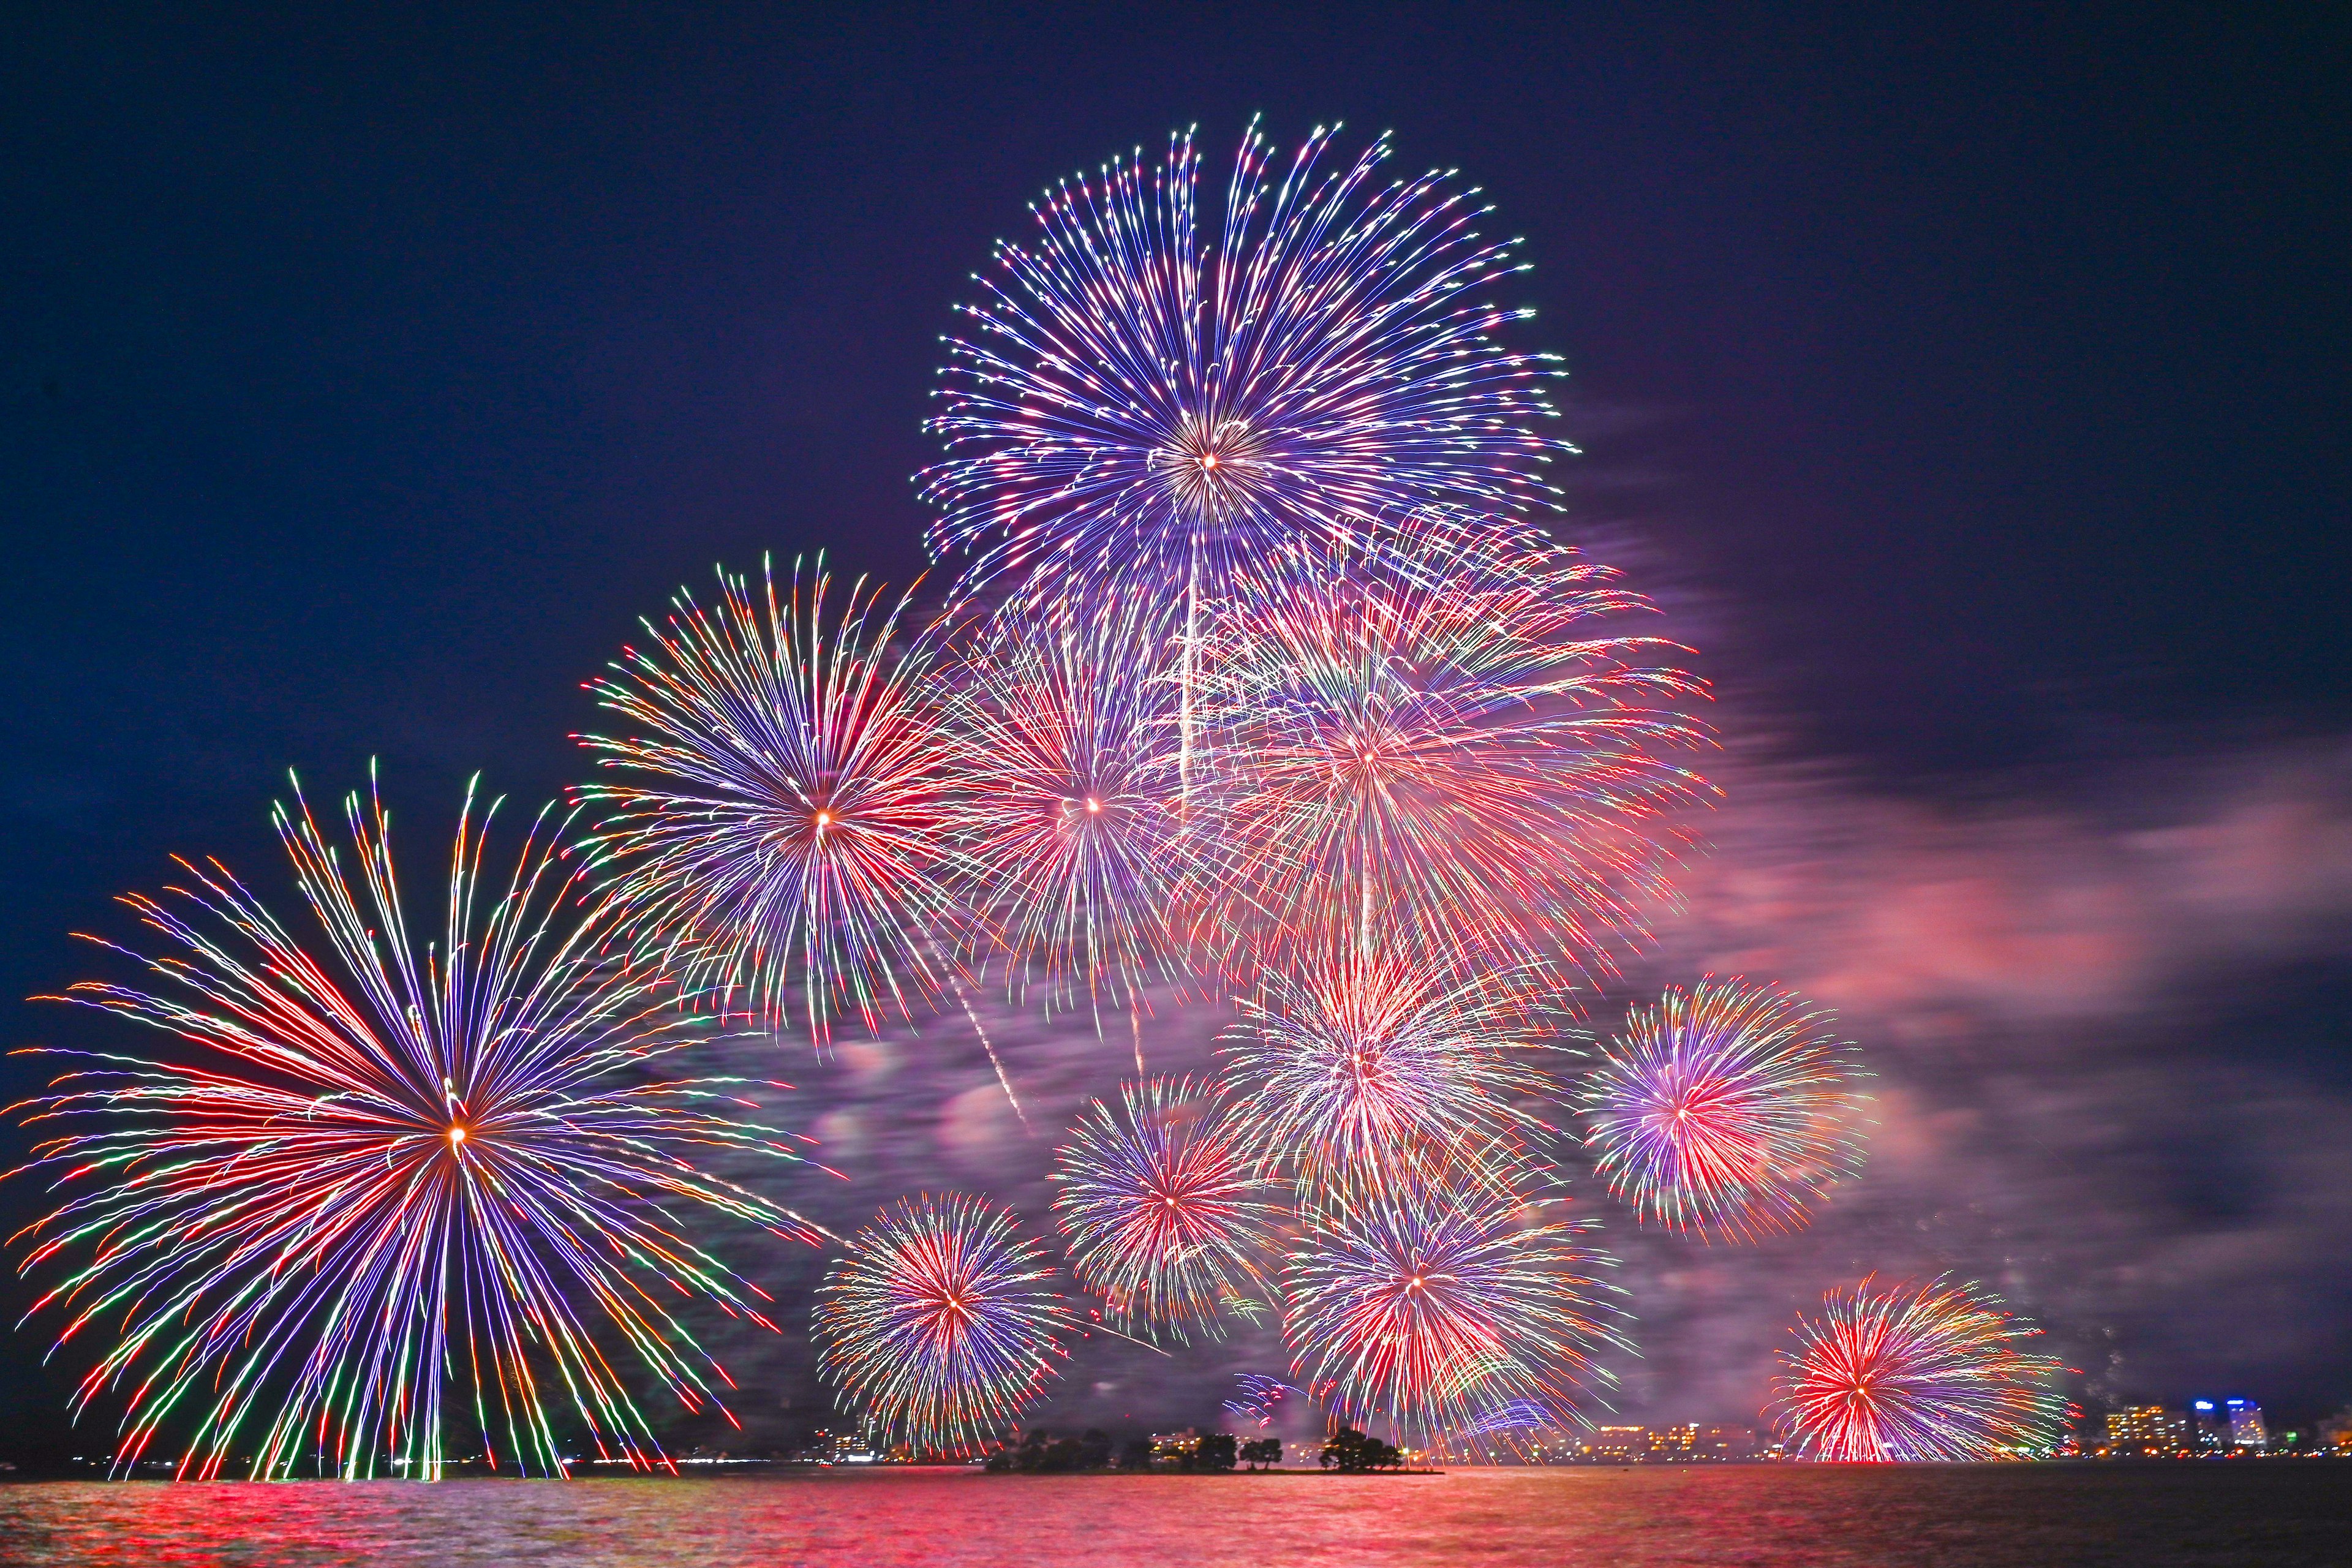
<point>2274,1514</point>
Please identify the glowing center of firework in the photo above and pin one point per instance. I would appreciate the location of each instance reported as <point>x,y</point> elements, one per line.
<point>457,1136</point>
<point>1093,806</point>
<point>824,820</point>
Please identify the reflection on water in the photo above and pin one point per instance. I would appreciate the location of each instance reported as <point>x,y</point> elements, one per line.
<point>2274,1514</point>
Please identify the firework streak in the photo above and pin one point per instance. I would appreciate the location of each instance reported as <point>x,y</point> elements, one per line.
<point>1163,1203</point>
<point>1917,1371</point>
<point>1727,1110</point>
<point>941,1321</point>
<point>393,1194</point>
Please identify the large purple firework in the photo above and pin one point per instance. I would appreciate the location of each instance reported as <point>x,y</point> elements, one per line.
<point>1143,392</point>
<point>1917,1372</point>
<point>1164,1203</point>
<point>781,840</point>
<point>396,1194</point>
<point>942,1322</point>
<point>1432,1307</point>
<point>1727,1110</point>
<point>1440,742</point>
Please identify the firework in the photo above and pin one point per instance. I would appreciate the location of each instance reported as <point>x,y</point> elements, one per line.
<point>1364,1065</point>
<point>1432,1307</point>
<point>1433,743</point>
<point>394,1193</point>
<point>1727,1110</point>
<point>942,1322</point>
<point>1260,1397</point>
<point>1066,812</point>
<point>1141,393</point>
<point>1917,1372</point>
<point>790,853</point>
<point>1164,1206</point>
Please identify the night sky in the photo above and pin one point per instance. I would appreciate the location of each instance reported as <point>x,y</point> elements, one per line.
<point>1970,388</point>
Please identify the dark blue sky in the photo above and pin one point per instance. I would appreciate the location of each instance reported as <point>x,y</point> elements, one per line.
<point>1971,386</point>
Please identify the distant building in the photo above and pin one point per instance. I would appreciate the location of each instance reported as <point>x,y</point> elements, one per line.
<point>2150,1429</point>
<point>2210,1432</point>
<point>2246,1429</point>
<point>1175,1447</point>
<point>2335,1432</point>
<point>1725,1443</point>
<point>1669,1444</point>
<point>1616,1444</point>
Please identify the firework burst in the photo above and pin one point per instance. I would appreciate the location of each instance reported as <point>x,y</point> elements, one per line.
<point>1067,813</point>
<point>790,853</point>
<point>1727,1110</point>
<point>1435,743</point>
<point>1163,1202</point>
<point>1366,1066</point>
<point>941,1321</point>
<point>397,1193</point>
<point>1917,1371</point>
<point>1143,390</point>
<point>1434,1308</point>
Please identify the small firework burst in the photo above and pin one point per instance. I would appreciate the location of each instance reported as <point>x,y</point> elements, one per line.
<point>1431,1308</point>
<point>942,1322</point>
<point>1165,1207</point>
<point>1365,1066</point>
<point>789,851</point>
<point>1066,809</point>
<point>397,1194</point>
<point>1917,1372</point>
<point>1727,1110</point>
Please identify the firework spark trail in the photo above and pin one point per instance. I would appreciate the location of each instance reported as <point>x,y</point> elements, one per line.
<point>942,1323</point>
<point>1431,1306</point>
<point>1917,1372</point>
<point>1364,1067</point>
<point>792,839</point>
<point>1435,742</point>
<point>396,1191</point>
<point>1726,1111</point>
<point>1164,1205</point>
<point>1260,1397</point>
<point>1065,814</point>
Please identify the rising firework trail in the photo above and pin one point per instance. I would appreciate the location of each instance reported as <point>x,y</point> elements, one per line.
<point>1728,1110</point>
<point>1148,393</point>
<point>1917,1372</point>
<point>941,1321</point>
<point>390,1192</point>
<point>1432,1307</point>
<point>1164,1203</point>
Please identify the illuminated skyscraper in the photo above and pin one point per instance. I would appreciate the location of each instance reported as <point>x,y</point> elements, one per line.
<point>2246,1429</point>
<point>2212,1433</point>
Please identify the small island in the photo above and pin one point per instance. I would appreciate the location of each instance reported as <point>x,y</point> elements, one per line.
<point>1039,1453</point>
